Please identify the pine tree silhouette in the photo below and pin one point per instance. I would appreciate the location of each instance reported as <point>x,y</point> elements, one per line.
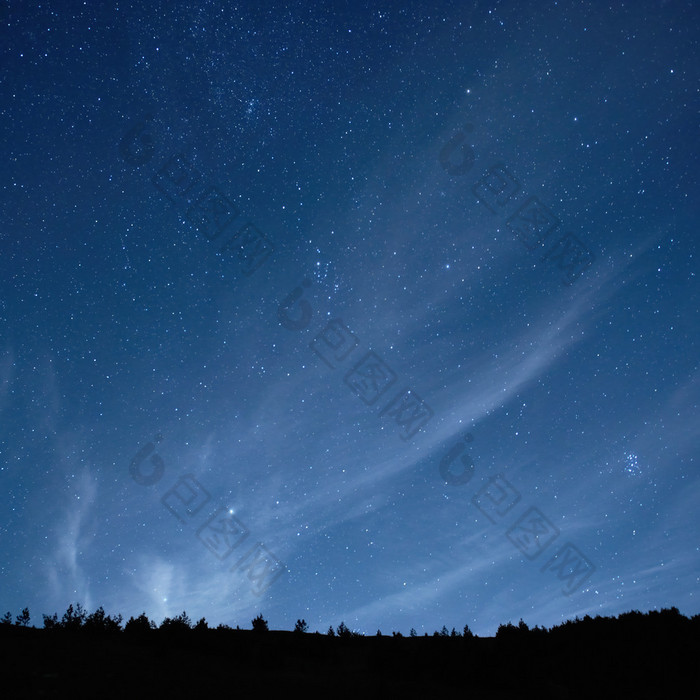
<point>260,624</point>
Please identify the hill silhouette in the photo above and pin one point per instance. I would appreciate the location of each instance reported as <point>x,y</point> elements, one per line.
<point>640,655</point>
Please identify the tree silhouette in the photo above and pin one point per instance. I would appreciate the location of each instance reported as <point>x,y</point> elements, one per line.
<point>179,623</point>
<point>100,622</point>
<point>509,632</point>
<point>51,622</point>
<point>23,618</point>
<point>643,651</point>
<point>137,625</point>
<point>73,618</point>
<point>515,633</point>
<point>301,626</point>
<point>260,624</point>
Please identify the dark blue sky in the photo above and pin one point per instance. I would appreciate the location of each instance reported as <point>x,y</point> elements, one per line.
<point>358,313</point>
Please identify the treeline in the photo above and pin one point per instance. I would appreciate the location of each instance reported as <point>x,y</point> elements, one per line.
<point>76,618</point>
<point>88,655</point>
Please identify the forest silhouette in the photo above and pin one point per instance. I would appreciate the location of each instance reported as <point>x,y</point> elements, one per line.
<point>97,655</point>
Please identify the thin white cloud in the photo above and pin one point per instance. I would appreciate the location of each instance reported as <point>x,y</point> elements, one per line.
<point>74,536</point>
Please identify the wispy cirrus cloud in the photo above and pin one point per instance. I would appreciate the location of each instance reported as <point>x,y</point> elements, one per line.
<point>74,535</point>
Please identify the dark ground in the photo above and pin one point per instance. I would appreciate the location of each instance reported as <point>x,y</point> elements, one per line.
<point>637,657</point>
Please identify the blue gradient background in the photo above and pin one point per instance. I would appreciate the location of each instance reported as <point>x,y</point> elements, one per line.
<point>324,126</point>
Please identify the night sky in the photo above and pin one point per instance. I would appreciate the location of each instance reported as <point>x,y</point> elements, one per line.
<point>384,314</point>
